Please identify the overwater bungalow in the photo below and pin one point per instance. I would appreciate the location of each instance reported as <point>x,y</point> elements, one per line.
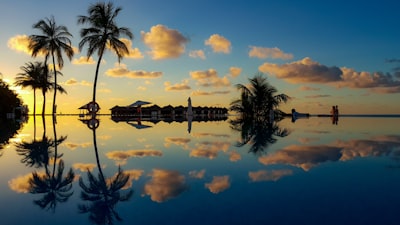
<point>167,113</point>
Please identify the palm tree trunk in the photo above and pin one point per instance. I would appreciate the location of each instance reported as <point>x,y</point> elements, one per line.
<point>44,102</point>
<point>34,102</point>
<point>55,84</point>
<point>97,73</point>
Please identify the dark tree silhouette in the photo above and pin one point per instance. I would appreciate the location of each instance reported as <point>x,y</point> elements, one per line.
<point>53,41</point>
<point>258,99</point>
<point>102,33</point>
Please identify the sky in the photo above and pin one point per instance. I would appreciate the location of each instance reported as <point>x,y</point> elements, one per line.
<point>320,53</point>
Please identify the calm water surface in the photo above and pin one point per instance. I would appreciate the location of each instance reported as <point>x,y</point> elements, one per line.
<point>307,172</point>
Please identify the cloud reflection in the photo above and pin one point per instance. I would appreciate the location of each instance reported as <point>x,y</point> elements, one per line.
<point>265,175</point>
<point>307,157</point>
<point>122,156</point>
<point>164,185</point>
<point>218,184</point>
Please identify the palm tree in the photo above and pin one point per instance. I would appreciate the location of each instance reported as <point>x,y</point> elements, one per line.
<point>102,33</point>
<point>258,99</point>
<point>53,41</point>
<point>30,78</point>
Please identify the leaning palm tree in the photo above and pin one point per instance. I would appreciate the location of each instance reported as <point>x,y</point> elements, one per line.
<point>102,33</point>
<point>52,42</point>
<point>258,99</point>
<point>30,77</point>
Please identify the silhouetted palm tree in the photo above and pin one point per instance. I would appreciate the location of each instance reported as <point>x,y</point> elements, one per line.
<point>30,77</point>
<point>103,194</point>
<point>102,33</point>
<point>258,98</point>
<point>53,41</point>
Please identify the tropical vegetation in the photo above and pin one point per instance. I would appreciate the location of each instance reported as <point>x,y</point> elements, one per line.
<point>102,33</point>
<point>53,41</point>
<point>259,100</point>
<point>9,100</point>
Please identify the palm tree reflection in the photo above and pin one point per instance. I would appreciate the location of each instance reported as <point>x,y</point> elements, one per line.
<point>36,153</point>
<point>101,193</point>
<point>260,134</point>
<point>52,184</point>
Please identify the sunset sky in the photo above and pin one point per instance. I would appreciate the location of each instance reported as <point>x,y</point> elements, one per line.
<point>321,53</point>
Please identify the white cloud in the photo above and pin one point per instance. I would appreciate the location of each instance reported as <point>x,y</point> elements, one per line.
<point>164,43</point>
<point>219,43</point>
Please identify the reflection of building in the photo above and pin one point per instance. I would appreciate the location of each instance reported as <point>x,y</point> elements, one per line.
<point>168,112</point>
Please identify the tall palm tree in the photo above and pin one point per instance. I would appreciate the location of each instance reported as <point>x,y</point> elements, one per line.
<point>258,99</point>
<point>30,78</point>
<point>35,75</point>
<point>53,41</point>
<point>102,33</point>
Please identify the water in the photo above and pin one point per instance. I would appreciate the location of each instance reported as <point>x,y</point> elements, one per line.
<point>307,172</point>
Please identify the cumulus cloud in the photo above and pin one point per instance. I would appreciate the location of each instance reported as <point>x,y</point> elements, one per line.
<point>134,53</point>
<point>197,174</point>
<point>377,82</point>
<point>177,87</point>
<point>84,167</point>
<point>218,43</point>
<point>263,53</point>
<point>309,71</point>
<point>235,71</point>
<point>20,43</point>
<point>209,78</point>
<point>303,71</point>
<point>218,184</point>
<point>164,43</point>
<point>73,81</point>
<point>197,54</point>
<point>164,185</point>
<point>121,70</point>
<point>265,175</point>
<point>83,60</point>
<point>208,93</point>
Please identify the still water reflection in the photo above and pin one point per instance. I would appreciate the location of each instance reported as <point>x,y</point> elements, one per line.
<point>309,171</point>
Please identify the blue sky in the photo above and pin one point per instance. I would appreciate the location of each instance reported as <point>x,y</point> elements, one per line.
<point>321,53</point>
